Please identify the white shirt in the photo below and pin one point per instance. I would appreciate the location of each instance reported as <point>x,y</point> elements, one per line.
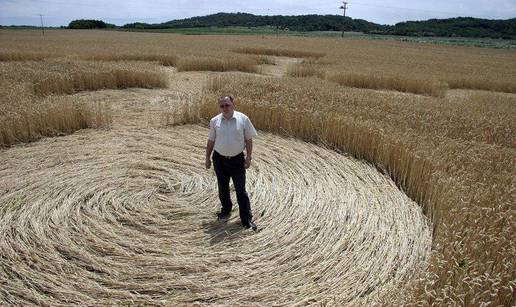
<point>230,134</point>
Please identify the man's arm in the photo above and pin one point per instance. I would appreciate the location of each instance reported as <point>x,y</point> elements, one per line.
<point>249,133</point>
<point>210,144</point>
<point>249,153</point>
<point>209,149</point>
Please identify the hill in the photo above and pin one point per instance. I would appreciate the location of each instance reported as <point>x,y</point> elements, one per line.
<point>452,27</point>
<point>460,26</point>
<point>295,23</point>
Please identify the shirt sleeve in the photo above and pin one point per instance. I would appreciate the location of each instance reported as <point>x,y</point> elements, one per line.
<point>211,134</point>
<point>249,131</point>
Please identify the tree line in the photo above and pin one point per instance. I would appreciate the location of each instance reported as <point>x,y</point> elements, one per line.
<point>460,26</point>
<point>302,23</point>
<point>90,24</point>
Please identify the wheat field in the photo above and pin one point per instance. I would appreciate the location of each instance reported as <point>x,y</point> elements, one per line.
<point>383,172</point>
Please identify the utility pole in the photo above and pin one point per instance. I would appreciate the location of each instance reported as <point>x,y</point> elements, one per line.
<point>343,7</point>
<point>42,29</point>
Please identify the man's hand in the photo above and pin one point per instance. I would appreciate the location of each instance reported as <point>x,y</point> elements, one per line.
<point>208,163</point>
<point>247,162</point>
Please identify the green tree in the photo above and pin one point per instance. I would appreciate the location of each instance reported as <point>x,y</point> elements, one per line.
<point>89,24</point>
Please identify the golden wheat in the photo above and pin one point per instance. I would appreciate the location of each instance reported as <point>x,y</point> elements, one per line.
<point>264,60</point>
<point>24,56</point>
<point>163,59</point>
<point>439,152</point>
<point>138,202</point>
<point>88,81</point>
<point>280,52</point>
<point>303,70</point>
<point>507,86</point>
<point>26,118</point>
<point>454,155</point>
<point>214,64</point>
<point>397,83</point>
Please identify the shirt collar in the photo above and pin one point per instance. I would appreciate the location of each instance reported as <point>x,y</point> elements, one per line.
<point>232,116</point>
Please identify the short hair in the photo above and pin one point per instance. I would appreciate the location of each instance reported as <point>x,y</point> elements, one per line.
<point>226,97</point>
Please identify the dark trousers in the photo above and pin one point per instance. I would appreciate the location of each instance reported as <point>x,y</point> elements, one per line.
<point>226,168</point>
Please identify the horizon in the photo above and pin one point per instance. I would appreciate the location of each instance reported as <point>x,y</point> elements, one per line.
<point>58,13</point>
<point>164,21</point>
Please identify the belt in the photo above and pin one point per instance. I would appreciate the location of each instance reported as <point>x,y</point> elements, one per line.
<point>227,157</point>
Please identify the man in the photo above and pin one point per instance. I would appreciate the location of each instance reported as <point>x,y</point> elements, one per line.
<point>230,132</point>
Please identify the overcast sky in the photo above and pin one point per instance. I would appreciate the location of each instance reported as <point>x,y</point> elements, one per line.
<point>119,12</point>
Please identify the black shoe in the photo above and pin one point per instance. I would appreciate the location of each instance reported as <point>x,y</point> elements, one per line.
<point>252,225</point>
<point>223,217</point>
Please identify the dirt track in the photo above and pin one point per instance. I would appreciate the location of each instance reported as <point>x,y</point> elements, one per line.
<point>128,215</point>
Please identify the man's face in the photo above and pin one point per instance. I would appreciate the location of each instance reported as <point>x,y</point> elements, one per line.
<point>226,106</point>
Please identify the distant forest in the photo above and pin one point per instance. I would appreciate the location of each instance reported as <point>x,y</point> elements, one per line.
<point>294,23</point>
<point>89,24</point>
<point>461,26</point>
<point>452,27</point>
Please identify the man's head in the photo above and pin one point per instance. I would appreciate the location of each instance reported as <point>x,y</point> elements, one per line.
<point>226,105</point>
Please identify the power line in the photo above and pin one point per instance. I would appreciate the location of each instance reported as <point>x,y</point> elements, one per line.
<point>343,7</point>
<point>42,28</point>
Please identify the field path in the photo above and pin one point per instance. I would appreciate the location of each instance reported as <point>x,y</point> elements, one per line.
<point>280,69</point>
<point>127,215</point>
